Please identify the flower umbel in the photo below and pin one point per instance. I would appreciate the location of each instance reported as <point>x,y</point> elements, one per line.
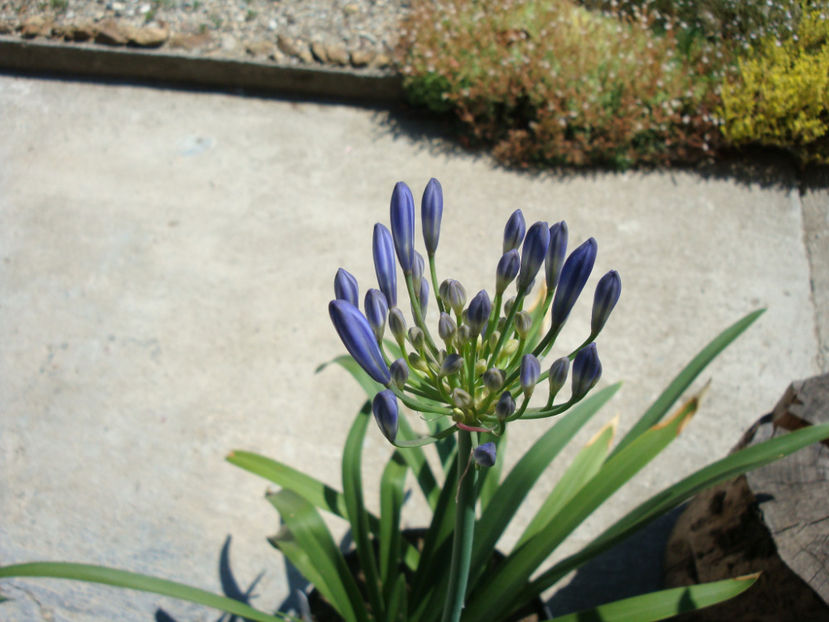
<point>483,353</point>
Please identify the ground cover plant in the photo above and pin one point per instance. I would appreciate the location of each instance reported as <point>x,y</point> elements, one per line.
<point>546,82</point>
<point>467,376</point>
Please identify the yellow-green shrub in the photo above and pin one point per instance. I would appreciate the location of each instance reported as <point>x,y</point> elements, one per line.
<point>781,95</point>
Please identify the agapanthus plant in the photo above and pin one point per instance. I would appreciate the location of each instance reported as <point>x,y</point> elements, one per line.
<point>480,365</point>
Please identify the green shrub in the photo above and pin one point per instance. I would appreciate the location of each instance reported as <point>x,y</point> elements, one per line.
<point>547,81</point>
<point>781,96</point>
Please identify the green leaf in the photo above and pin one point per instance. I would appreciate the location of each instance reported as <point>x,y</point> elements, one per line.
<point>357,515</point>
<point>509,495</point>
<point>684,379</point>
<point>398,605</point>
<point>499,595</point>
<point>391,501</point>
<point>135,581</point>
<point>312,537</point>
<point>665,603</point>
<point>725,469</point>
<point>583,468</point>
<point>416,460</point>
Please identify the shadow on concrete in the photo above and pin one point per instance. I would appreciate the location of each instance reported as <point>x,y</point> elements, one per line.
<point>632,567</point>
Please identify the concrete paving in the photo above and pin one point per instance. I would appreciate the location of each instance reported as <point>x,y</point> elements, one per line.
<point>167,261</point>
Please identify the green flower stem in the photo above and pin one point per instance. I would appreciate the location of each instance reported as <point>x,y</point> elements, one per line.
<point>493,320</point>
<point>544,346</point>
<point>417,405</point>
<point>464,532</point>
<point>418,315</point>
<point>507,327</point>
<point>434,275</point>
<point>548,412</point>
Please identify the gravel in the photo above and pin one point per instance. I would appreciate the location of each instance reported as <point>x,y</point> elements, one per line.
<point>360,34</point>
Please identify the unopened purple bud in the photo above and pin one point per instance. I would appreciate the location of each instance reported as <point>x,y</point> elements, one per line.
<point>606,297</point>
<point>529,373</point>
<point>574,275</point>
<point>418,267</point>
<point>505,406</point>
<point>533,254</point>
<point>431,211</point>
<point>478,313</point>
<point>358,338</point>
<point>523,323</point>
<point>384,407</point>
<point>453,295</point>
<point>465,334</point>
<point>384,264</point>
<point>376,310</point>
<point>402,225</point>
<point>423,296</point>
<point>345,287</point>
<point>399,373</point>
<point>556,252</point>
<point>447,327</point>
<point>484,454</point>
<point>507,270</point>
<point>558,375</point>
<point>493,379</point>
<point>514,231</point>
<point>587,369</point>
<point>417,338</point>
<point>452,364</point>
<point>397,323</point>
<point>508,305</point>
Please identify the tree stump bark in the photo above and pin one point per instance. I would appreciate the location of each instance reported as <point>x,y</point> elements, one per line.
<point>774,519</point>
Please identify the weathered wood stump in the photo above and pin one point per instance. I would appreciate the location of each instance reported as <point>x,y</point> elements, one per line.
<point>774,520</point>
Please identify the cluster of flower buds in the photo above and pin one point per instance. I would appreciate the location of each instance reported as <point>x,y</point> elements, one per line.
<point>486,360</point>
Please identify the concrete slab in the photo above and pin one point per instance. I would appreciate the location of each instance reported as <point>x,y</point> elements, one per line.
<point>167,262</point>
<point>815,199</point>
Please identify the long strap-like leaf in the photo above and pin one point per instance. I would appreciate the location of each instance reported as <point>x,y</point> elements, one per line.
<point>135,581</point>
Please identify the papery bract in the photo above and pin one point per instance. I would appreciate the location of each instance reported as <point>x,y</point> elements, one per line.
<point>533,254</point>
<point>587,369</point>
<point>402,225</point>
<point>345,287</point>
<point>384,264</point>
<point>607,295</point>
<point>384,407</point>
<point>431,212</point>
<point>574,275</point>
<point>358,338</point>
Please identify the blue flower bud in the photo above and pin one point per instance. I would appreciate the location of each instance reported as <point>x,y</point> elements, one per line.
<point>556,252</point>
<point>465,334</point>
<point>587,369</point>
<point>418,267</point>
<point>417,338</point>
<point>493,379</point>
<point>529,373</point>
<point>514,231</point>
<point>484,454</point>
<point>558,375</point>
<point>606,297</point>
<point>447,327</point>
<point>384,407</point>
<point>399,373</point>
<point>533,254</point>
<point>423,296</point>
<point>384,264</point>
<point>508,305</point>
<point>461,399</point>
<point>523,323</point>
<point>478,313</point>
<point>453,295</point>
<point>397,323</point>
<point>507,270</point>
<point>358,338</point>
<point>431,211</point>
<point>345,287</point>
<point>376,310</point>
<point>574,275</point>
<point>402,225</point>
<point>452,364</point>
<point>505,406</point>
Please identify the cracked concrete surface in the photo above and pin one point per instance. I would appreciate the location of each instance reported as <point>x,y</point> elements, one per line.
<point>167,261</point>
